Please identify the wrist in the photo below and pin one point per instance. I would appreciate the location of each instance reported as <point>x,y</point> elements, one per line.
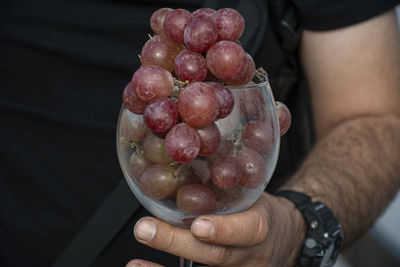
<point>286,230</point>
<point>299,226</point>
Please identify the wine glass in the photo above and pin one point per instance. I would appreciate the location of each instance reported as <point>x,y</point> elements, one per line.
<point>178,193</point>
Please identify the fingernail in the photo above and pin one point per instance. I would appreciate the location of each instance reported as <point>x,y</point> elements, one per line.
<point>145,230</point>
<point>202,228</point>
<point>136,264</point>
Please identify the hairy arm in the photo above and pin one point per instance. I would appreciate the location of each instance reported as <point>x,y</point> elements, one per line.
<point>354,75</point>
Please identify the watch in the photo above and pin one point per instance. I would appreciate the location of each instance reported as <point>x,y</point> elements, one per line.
<point>324,234</point>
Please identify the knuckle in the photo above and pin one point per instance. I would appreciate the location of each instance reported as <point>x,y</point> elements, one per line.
<point>171,241</point>
<point>219,255</point>
<point>262,229</point>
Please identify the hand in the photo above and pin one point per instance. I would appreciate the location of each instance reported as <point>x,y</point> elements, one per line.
<point>270,233</point>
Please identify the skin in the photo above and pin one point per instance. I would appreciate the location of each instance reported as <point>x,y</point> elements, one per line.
<point>354,75</point>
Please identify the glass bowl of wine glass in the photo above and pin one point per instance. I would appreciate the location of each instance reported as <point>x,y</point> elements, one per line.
<point>226,181</point>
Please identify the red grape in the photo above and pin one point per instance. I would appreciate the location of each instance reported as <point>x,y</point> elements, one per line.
<point>225,148</point>
<point>284,116</point>
<point>225,59</point>
<point>186,175</point>
<point>230,24</point>
<point>200,34</point>
<point>157,19</point>
<point>137,165</point>
<point>175,24</point>
<point>196,199</point>
<point>225,99</point>
<point>210,138</point>
<point>258,135</point>
<point>158,182</point>
<point>154,150</point>
<point>253,166</point>
<point>228,197</point>
<point>182,143</point>
<point>131,101</point>
<point>190,66</point>
<point>152,82</point>
<point>252,103</point>
<point>198,104</point>
<point>226,172</point>
<point>161,114</point>
<point>246,75</point>
<point>160,51</point>
<point>132,127</point>
<point>203,12</point>
<point>201,169</point>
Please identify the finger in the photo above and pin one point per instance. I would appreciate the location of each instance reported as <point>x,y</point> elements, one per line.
<point>178,241</point>
<point>142,263</point>
<point>247,228</point>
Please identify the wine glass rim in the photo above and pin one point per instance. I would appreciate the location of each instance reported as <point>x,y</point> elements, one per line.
<point>257,85</point>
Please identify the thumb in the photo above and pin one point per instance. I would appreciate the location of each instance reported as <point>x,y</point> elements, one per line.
<point>142,263</point>
<point>246,228</point>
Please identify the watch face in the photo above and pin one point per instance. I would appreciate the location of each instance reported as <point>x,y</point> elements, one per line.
<point>327,260</point>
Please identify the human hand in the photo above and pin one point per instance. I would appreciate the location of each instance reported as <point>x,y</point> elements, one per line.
<point>270,233</point>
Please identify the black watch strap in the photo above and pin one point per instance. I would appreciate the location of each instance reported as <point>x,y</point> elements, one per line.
<point>299,199</point>
<point>324,234</point>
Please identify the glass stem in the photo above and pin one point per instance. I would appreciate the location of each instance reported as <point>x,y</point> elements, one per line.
<point>185,263</point>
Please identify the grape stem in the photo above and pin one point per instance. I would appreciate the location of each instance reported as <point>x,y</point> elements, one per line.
<point>136,147</point>
<point>236,140</point>
<point>262,71</point>
<point>277,110</point>
<point>176,172</point>
<point>180,85</point>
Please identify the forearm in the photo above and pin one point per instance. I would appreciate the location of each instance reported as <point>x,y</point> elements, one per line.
<point>355,170</point>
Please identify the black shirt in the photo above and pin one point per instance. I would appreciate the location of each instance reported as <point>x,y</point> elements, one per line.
<point>63,66</point>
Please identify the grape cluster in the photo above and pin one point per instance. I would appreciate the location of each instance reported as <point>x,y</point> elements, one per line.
<point>175,99</point>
